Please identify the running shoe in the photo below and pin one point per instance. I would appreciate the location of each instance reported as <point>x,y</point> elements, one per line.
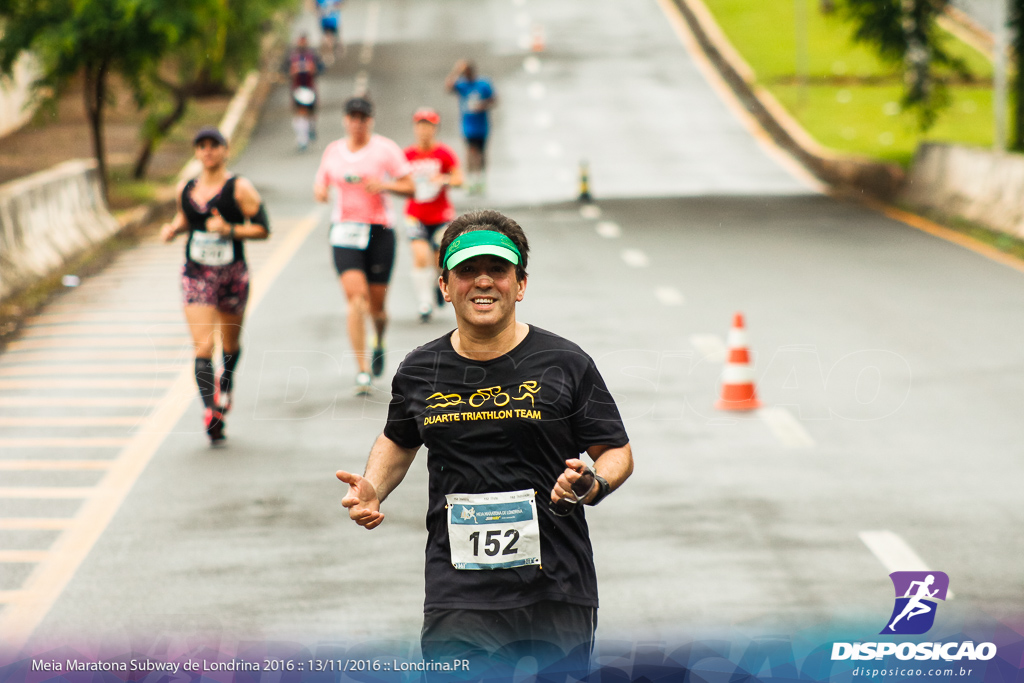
<point>425,312</point>
<point>214,421</point>
<point>221,398</point>
<point>363,384</point>
<point>377,359</point>
<point>440,297</point>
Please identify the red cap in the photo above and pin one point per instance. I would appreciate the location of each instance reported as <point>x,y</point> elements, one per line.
<point>426,114</point>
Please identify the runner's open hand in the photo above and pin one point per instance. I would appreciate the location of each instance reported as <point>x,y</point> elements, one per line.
<point>361,500</point>
<point>168,231</point>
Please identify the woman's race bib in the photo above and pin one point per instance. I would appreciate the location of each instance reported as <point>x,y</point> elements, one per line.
<point>350,235</point>
<point>493,530</point>
<point>211,249</point>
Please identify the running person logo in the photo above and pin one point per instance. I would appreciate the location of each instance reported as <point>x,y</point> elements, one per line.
<point>916,596</point>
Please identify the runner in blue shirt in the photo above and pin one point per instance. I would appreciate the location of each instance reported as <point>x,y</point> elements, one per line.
<point>330,27</point>
<point>476,99</point>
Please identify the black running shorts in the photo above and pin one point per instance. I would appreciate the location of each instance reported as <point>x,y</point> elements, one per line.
<point>376,260</point>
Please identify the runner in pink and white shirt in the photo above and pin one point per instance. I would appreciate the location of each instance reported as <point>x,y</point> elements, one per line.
<point>362,167</point>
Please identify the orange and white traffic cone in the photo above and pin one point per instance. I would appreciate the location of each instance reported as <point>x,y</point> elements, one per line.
<point>738,378</point>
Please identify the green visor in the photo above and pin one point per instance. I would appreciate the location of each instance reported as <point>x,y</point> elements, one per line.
<point>477,242</point>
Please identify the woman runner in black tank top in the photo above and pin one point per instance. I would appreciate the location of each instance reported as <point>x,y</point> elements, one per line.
<point>218,211</point>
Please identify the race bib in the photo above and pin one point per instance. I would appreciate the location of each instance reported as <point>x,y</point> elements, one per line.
<point>426,189</point>
<point>493,530</point>
<point>350,235</point>
<point>211,249</point>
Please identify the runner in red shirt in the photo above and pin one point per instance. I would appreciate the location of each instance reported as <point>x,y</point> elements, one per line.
<point>434,168</point>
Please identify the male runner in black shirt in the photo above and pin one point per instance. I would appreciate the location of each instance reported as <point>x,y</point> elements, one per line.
<point>505,410</point>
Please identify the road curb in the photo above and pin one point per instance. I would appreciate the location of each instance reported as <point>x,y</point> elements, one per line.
<point>846,173</point>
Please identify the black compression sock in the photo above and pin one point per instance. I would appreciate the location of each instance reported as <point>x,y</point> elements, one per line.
<point>227,375</point>
<point>204,380</point>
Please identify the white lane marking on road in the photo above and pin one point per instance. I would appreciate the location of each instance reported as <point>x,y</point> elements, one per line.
<point>543,119</point>
<point>362,84</point>
<point>590,211</point>
<point>786,427</point>
<point>635,258</point>
<point>370,37</point>
<point>524,41</point>
<point>894,553</point>
<point>553,150</point>
<point>531,64</point>
<point>710,346</point>
<point>535,90</point>
<point>608,229</point>
<point>669,296</point>
<point>48,580</point>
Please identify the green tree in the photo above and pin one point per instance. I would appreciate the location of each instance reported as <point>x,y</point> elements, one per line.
<point>1016,21</point>
<point>202,63</point>
<point>905,33</point>
<point>93,38</point>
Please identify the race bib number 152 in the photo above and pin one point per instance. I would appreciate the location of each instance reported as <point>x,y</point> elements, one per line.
<point>493,530</point>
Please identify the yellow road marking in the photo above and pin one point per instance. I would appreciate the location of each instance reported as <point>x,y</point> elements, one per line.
<point>97,342</point>
<point>49,578</point>
<point>71,383</point>
<point>19,465</point>
<point>74,402</point>
<point>23,556</point>
<point>34,492</point>
<point>35,370</point>
<point>59,442</point>
<point>35,523</point>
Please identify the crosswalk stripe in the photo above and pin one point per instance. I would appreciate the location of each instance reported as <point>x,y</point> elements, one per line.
<point>27,465</point>
<point>90,383</point>
<point>38,370</point>
<point>63,442</point>
<point>34,492</point>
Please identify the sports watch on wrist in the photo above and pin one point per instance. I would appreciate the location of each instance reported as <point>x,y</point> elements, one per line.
<point>603,489</point>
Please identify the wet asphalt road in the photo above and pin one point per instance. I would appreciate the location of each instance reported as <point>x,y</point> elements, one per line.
<point>889,359</point>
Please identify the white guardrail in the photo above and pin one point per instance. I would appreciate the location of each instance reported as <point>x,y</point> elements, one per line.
<point>977,184</point>
<point>47,218</point>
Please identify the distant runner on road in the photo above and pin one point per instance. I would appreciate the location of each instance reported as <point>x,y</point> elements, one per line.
<point>330,26</point>
<point>476,99</point>
<point>362,167</point>
<point>505,409</point>
<point>435,168</point>
<point>303,66</point>
<point>218,210</point>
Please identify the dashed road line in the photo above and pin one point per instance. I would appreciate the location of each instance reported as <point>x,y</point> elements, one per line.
<point>590,211</point>
<point>536,90</point>
<point>531,65</point>
<point>608,229</point>
<point>635,258</point>
<point>894,553</point>
<point>710,346</point>
<point>669,296</point>
<point>786,427</point>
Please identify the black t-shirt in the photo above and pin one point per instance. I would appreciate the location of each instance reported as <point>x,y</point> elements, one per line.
<point>506,424</point>
<point>225,203</point>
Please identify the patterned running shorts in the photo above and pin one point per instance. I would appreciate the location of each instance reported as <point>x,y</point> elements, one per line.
<point>226,288</point>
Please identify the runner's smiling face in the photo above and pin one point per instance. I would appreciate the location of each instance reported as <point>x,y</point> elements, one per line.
<point>484,292</point>
<point>211,154</point>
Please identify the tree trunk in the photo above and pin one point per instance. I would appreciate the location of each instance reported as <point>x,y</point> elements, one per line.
<point>163,126</point>
<point>95,92</point>
<point>1017,31</point>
